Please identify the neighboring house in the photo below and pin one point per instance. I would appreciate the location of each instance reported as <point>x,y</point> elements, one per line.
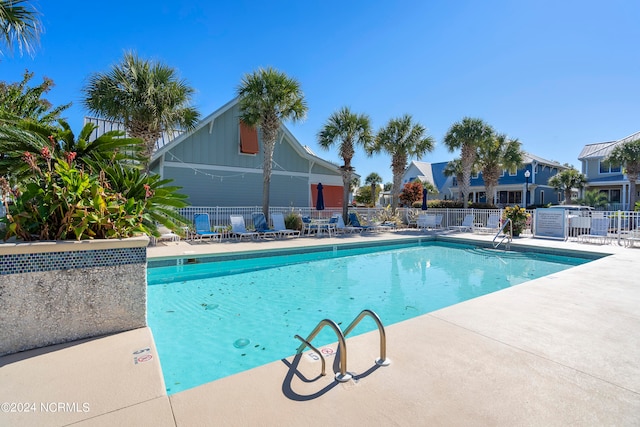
<point>606,177</point>
<point>220,163</point>
<point>513,184</point>
<point>430,172</point>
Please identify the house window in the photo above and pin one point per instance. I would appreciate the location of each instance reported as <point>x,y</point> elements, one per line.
<point>608,167</point>
<point>504,171</point>
<point>510,197</point>
<point>513,172</point>
<point>474,175</point>
<point>559,196</point>
<point>542,197</point>
<point>248,139</point>
<point>614,196</point>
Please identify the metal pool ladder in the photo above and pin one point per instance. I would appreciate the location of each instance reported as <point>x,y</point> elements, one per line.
<point>505,236</point>
<point>343,375</point>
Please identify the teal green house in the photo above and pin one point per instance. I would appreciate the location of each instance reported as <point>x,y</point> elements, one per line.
<point>219,163</point>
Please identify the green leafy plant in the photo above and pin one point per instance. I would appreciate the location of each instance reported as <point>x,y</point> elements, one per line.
<point>388,215</point>
<point>293,221</point>
<point>63,199</point>
<point>518,217</point>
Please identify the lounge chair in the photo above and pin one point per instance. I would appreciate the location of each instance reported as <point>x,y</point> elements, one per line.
<point>239,230</point>
<point>280,227</point>
<point>426,221</point>
<point>598,232</point>
<point>203,227</point>
<point>493,225</point>
<point>342,228</point>
<point>355,222</point>
<point>467,224</point>
<point>260,224</point>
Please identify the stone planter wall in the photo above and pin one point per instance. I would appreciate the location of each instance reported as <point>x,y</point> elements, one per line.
<point>55,292</point>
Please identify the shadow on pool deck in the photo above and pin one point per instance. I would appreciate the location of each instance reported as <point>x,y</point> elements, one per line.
<point>559,350</point>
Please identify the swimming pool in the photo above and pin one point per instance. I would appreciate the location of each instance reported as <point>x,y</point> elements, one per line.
<point>214,319</point>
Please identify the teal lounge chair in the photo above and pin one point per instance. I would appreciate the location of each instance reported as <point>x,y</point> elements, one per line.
<point>203,227</point>
<point>260,224</point>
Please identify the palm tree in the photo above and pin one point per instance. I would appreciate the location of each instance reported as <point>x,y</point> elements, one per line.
<point>595,199</point>
<point>19,25</point>
<point>401,138</point>
<point>146,96</point>
<point>467,135</point>
<point>348,129</point>
<point>627,154</point>
<point>373,180</point>
<point>454,169</point>
<point>567,180</point>
<point>494,155</point>
<point>267,98</point>
<point>27,102</point>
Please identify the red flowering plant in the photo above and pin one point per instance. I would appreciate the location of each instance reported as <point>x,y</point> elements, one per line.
<point>62,198</point>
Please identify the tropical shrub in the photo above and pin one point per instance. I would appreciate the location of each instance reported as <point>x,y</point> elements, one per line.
<point>293,221</point>
<point>64,200</point>
<point>518,217</point>
<point>388,214</point>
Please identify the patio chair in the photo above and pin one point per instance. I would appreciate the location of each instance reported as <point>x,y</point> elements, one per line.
<point>202,227</point>
<point>239,230</point>
<point>412,218</point>
<point>307,225</point>
<point>280,227</point>
<point>598,232</point>
<point>467,224</point>
<point>260,224</point>
<point>439,218</point>
<point>493,225</point>
<point>631,238</point>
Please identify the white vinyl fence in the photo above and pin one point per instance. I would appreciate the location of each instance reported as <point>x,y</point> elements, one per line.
<point>620,222</point>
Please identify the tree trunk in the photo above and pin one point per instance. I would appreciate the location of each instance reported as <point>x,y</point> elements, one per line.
<point>567,195</point>
<point>270,126</point>
<point>468,157</point>
<point>633,177</point>
<point>373,194</point>
<point>398,165</point>
<point>346,183</point>
<point>148,137</point>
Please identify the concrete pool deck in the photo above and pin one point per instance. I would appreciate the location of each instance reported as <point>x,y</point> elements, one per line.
<point>559,350</point>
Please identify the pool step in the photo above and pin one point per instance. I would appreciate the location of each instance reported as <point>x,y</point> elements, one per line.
<point>497,252</point>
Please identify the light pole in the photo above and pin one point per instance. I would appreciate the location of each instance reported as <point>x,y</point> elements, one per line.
<point>527,174</point>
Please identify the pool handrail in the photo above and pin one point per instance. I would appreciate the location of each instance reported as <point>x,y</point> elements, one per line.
<point>505,236</point>
<point>382,361</point>
<point>343,376</point>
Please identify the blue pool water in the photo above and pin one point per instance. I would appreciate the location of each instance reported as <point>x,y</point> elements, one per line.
<point>211,320</point>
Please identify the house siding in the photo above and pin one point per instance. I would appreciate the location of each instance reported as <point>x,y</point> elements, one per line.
<point>212,171</point>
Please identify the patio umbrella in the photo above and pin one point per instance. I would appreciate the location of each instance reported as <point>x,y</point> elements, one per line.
<point>424,199</point>
<point>320,198</point>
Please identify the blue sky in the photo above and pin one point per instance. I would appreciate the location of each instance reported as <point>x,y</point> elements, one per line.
<point>554,74</point>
